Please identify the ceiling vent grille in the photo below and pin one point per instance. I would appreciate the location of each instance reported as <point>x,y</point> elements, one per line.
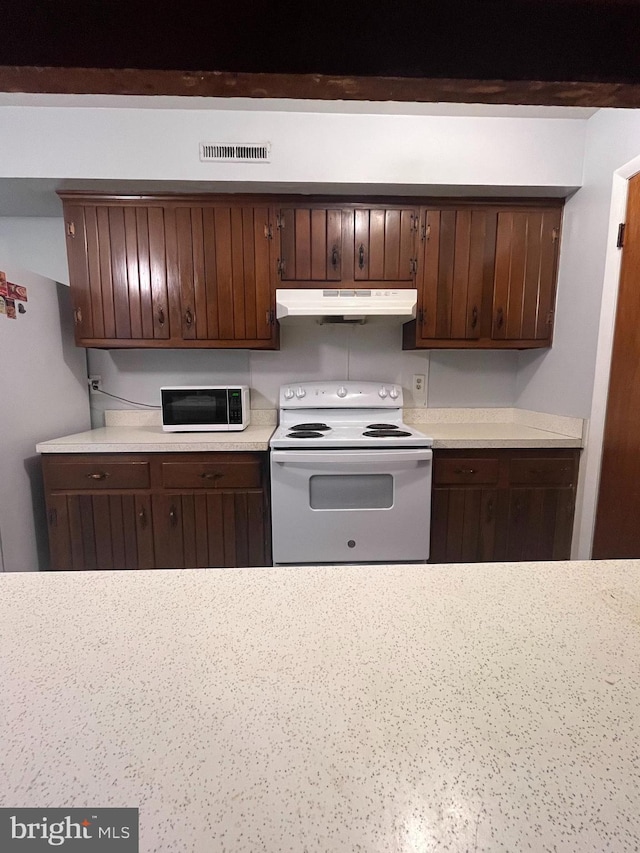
<point>235,153</point>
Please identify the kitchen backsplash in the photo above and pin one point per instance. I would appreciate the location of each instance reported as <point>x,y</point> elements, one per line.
<point>309,351</point>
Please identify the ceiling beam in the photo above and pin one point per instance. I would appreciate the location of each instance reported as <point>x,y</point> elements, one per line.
<point>130,81</point>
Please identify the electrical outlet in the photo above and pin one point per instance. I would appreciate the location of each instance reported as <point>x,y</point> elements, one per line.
<point>419,389</point>
<point>95,383</point>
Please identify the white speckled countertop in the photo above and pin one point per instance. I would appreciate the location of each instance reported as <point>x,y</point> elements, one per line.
<point>388,708</point>
<point>140,432</point>
<point>151,439</point>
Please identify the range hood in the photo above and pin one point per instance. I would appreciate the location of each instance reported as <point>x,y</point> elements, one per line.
<point>340,305</point>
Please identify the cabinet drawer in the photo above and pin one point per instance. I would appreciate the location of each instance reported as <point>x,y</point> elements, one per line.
<point>70,475</point>
<point>243,474</point>
<point>557,472</point>
<point>468,471</point>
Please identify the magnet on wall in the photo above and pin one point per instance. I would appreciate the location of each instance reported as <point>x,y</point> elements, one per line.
<point>3,307</point>
<point>11,309</point>
<point>21,308</point>
<point>3,284</point>
<point>17,291</point>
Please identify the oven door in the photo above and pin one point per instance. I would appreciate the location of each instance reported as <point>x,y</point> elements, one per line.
<point>351,506</point>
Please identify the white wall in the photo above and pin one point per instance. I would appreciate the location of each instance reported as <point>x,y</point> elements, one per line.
<point>309,351</point>
<point>560,380</point>
<point>309,149</point>
<point>35,243</point>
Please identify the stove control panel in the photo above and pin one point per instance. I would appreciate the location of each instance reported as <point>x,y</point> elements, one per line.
<point>349,394</point>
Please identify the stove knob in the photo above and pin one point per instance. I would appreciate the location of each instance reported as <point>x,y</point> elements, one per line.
<point>382,392</point>
<point>342,391</point>
<point>394,393</point>
<point>300,393</point>
<point>288,394</point>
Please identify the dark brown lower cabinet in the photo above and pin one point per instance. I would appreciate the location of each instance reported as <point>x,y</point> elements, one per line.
<point>196,530</point>
<point>100,531</point>
<point>493,505</point>
<point>120,511</point>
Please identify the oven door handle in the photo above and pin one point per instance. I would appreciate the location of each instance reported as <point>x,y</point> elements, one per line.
<point>344,458</point>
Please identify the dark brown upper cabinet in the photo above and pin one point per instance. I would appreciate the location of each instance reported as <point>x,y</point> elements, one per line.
<point>201,271</point>
<point>347,246</point>
<point>486,276</point>
<point>310,245</point>
<point>525,275</point>
<point>170,273</point>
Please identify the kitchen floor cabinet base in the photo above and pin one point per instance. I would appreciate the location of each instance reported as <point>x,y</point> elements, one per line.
<point>495,505</point>
<point>123,511</point>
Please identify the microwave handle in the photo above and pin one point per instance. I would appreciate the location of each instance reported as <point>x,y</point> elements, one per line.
<point>325,458</point>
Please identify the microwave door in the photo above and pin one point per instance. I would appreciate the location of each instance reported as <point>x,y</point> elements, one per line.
<point>195,408</point>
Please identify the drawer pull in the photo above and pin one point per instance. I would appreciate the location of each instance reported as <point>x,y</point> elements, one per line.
<point>361,256</point>
<point>100,475</point>
<point>211,475</point>
<point>335,257</point>
<point>465,471</point>
<point>161,316</point>
<point>188,318</point>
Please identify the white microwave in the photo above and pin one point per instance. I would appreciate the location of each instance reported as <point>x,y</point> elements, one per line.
<point>205,408</point>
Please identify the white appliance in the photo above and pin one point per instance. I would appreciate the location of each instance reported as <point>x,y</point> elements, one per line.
<point>342,305</point>
<point>205,408</point>
<point>44,395</point>
<point>350,482</point>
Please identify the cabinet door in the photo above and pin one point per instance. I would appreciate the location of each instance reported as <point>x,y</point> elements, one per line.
<point>525,274</point>
<point>456,271</point>
<point>117,272</point>
<point>463,524</point>
<point>539,523</point>
<point>384,242</point>
<point>540,505</point>
<point>204,529</point>
<point>310,245</point>
<point>78,262</point>
<point>100,531</point>
<point>219,263</point>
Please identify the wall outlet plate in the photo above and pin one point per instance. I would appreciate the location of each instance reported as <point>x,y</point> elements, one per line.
<point>95,383</point>
<point>419,389</point>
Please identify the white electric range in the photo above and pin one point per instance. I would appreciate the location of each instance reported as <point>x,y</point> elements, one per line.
<point>350,482</point>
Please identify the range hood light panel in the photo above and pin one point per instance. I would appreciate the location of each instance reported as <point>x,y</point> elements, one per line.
<point>347,305</point>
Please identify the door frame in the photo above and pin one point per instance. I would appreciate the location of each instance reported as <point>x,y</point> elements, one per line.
<point>589,478</point>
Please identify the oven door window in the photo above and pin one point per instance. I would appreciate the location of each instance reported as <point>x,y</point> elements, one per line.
<point>351,491</point>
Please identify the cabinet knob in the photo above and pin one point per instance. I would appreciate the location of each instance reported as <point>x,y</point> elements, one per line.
<point>361,256</point>
<point>142,515</point>
<point>173,516</point>
<point>99,475</point>
<point>161,316</point>
<point>465,471</point>
<point>335,257</point>
<point>188,317</point>
<point>474,317</point>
